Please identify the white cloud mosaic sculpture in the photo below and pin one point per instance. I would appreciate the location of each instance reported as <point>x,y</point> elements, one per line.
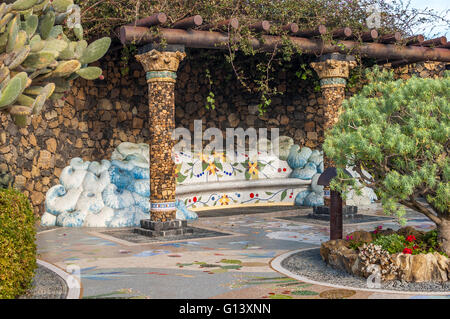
<point>108,194</point>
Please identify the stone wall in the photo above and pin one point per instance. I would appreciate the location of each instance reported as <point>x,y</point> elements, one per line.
<point>96,116</point>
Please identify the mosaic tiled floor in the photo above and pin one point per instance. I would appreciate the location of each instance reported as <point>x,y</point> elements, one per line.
<point>234,266</point>
<point>128,234</point>
<point>357,220</point>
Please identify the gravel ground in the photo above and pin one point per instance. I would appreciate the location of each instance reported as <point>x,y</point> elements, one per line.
<point>46,285</point>
<point>309,263</point>
<point>40,228</point>
<point>359,219</point>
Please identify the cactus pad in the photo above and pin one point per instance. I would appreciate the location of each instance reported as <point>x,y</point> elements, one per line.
<point>31,24</point>
<point>55,45</point>
<point>37,59</point>
<point>46,24</point>
<point>12,90</point>
<point>4,72</point>
<point>25,100</point>
<point>95,50</point>
<point>90,73</point>
<point>23,4</point>
<point>66,68</point>
<point>61,5</point>
<point>19,113</point>
<point>18,57</point>
<point>13,31</point>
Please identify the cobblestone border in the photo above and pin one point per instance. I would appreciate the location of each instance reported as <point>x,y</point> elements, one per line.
<point>75,290</point>
<point>275,264</point>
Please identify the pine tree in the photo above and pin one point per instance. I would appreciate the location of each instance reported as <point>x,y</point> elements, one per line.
<point>398,132</point>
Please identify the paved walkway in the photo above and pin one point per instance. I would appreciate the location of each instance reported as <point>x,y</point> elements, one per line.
<point>235,266</point>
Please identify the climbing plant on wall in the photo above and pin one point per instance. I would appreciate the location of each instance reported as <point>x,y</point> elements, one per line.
<point>254,69</point>
<point>41,51</point>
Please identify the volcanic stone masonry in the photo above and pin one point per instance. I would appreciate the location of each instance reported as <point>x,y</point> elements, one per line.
<point>97,116</point>
<point>161,70</point>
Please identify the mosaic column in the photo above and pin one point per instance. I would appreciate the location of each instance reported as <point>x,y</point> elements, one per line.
<point>161,70</point>
<point>333,72</point>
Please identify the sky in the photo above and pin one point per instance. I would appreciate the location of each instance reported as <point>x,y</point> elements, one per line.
<point>439,6</point>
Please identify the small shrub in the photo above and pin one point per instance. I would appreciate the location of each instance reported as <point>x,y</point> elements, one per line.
<point>392,243</point>
<point>354,244</point>
<point>429,244</point>
<point>17,246</point>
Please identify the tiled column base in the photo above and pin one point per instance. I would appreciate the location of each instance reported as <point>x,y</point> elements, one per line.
<point>162,210</point>
<point>153,228</point>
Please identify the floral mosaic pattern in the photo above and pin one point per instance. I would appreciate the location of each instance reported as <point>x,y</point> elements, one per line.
<point>215,167</point>
<point>244,197</point>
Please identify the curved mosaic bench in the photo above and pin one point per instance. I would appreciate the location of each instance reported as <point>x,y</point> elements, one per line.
<point>242,192</point>
<point>116,193</point>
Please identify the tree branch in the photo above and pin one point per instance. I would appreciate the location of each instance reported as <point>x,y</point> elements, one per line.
<point>413,204</point>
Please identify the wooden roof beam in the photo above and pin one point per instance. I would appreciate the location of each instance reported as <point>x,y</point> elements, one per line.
<point>342,33</point>
<point>317,31</point>
<point>188,23</point>
<point>291,28</point>
<point>390,38</point>
<point>233,23</point>
<point>218,40</point>
<point>261,26</point>
<point>434,42</point>
<point>156,19</point>
<point>416,39</point>
<point>369,35</point>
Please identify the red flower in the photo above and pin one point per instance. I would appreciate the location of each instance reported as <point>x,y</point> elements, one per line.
<point>407,251</point>
<point>380,227</point>
<point>410,238</point>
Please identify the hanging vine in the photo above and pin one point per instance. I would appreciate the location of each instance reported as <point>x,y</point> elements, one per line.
<point>104,16</point>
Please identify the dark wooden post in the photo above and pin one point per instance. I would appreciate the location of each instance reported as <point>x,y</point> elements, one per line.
<point>336,224</point>
<point>336,203</point>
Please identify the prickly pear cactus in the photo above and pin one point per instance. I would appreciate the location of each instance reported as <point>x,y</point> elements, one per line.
<point>38,60</point>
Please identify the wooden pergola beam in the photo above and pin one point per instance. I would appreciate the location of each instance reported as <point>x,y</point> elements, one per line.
<point>342,33</point>
<point>416,39</point>
<point>318,31</point>
<point>261,26</point>
<point>391,38</point>
<point>221,25</point>
<point>440,41</point>
<point>291,27</point>
<point>156,19</point>
<point>369,35</point>
<point>189,22</point>
<point>217,40</point>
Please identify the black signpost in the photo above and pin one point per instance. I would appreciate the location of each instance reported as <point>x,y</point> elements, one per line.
<point>336,224</point>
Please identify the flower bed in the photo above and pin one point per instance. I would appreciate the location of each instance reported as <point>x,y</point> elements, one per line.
<point>406,254</point>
